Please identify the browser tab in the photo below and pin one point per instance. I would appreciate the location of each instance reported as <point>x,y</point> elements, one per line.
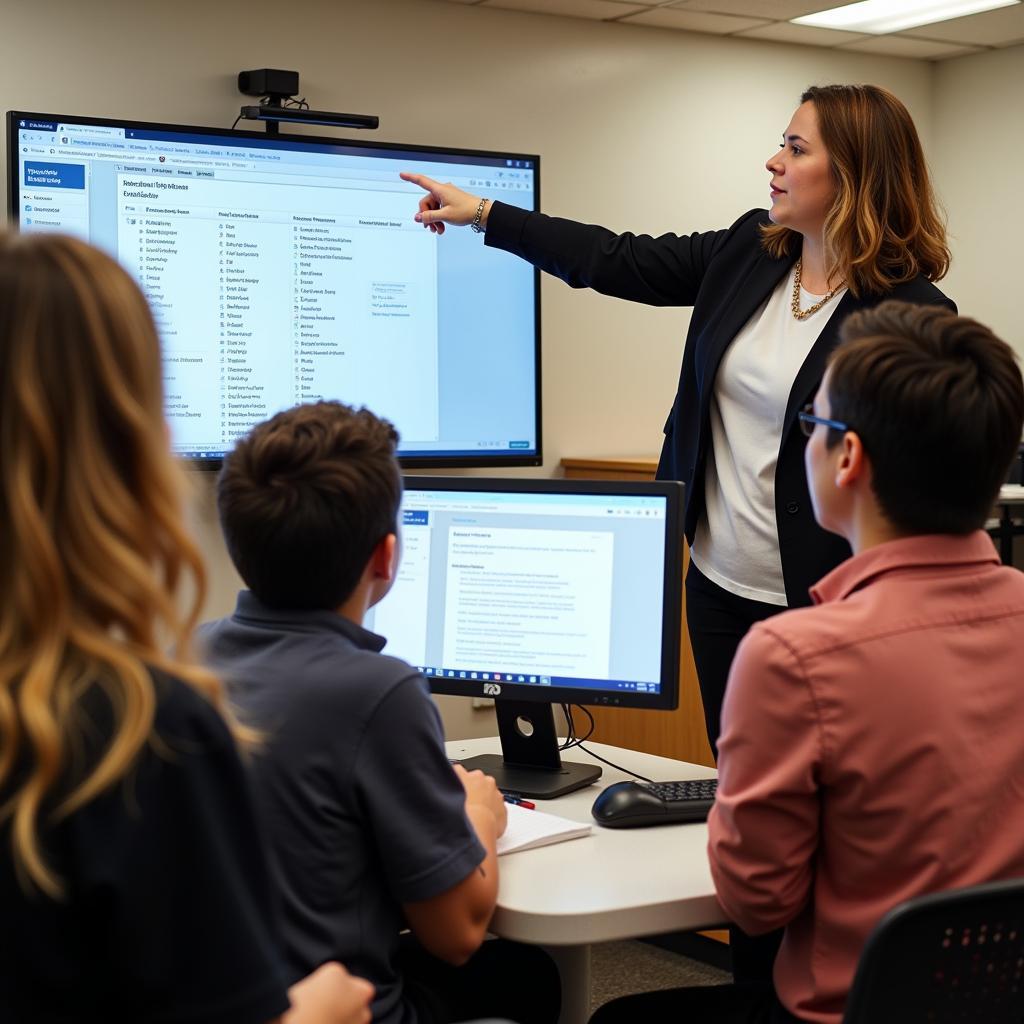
<point>91,130</point>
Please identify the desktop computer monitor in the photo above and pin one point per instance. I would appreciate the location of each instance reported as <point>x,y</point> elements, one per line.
<point>539,592</point>
<point>283,269</point>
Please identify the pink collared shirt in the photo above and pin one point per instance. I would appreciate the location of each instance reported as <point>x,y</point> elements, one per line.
<point>872,750</point>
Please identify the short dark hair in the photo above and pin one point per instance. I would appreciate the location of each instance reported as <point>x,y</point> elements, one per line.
<point>304,498</point>
<point>938,402</point>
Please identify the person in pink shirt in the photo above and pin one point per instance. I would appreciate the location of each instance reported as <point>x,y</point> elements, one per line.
<point>871,746</point>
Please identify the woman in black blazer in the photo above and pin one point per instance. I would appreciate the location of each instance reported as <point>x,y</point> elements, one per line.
<point>853,221</point>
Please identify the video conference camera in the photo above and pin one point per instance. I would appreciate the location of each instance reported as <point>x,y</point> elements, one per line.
<point>277,90</point>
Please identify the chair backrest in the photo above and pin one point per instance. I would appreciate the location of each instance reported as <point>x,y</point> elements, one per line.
<point>953,956</point>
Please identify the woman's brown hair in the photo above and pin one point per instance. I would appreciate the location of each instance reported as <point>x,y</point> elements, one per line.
<point>885,226</point>
<point>92,541</point>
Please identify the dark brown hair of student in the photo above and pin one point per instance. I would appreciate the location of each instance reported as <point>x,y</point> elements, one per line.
<point>305,498</point>
<point>92,542</point>
<point>885,226</point>
<point>938,403</point>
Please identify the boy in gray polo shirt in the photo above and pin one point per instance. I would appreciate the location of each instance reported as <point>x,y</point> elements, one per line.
<point>371,827</point>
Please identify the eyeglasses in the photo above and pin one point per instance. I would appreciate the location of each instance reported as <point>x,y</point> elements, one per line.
<point>808,421</point>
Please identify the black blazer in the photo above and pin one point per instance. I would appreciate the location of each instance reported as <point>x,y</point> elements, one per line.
<point>725,275</point>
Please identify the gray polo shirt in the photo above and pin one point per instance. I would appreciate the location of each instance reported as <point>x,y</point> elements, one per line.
<point>363,810</point>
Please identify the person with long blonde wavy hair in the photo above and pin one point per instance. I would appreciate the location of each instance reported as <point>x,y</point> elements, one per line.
<point>133,879</point>
<point>853,220</point>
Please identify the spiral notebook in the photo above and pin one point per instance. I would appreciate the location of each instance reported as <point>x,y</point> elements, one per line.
<point>527,829</point>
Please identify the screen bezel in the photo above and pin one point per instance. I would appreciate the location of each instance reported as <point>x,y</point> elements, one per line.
<point>668,698</point>
<point>415,151</point>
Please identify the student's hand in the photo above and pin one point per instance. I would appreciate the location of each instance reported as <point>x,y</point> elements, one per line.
<point>482,791</point>
<point>445,204</point>
<point>330,995</point>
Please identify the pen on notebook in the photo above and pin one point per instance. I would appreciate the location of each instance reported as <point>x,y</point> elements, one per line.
<point>519,802</point>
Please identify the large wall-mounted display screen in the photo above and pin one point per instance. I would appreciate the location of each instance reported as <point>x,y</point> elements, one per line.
<point>289,269</point>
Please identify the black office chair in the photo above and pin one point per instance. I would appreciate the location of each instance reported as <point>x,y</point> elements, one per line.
<point>953,956</point>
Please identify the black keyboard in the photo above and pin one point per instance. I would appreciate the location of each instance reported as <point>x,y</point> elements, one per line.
<point>683,792</point>
<point>638,804</point>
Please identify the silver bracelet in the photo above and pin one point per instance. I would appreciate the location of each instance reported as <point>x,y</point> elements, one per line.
<point>476,225</point>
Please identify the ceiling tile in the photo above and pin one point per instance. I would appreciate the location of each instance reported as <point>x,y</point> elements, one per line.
<point>596,9</point>
<point>768,20</point>
<point>904,46</point>
<point>694,21</point>
<point>779,10</point>
<point>784,32</point>
<point>991,28</point>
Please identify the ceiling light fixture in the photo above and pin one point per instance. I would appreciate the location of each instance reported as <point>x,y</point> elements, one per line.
<point>881,16</point>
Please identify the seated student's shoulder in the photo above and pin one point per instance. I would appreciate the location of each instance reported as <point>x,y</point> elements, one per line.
<point>183,713</point>
<point>357,684</point>
<point>893,610</point>
<point>189,764</point>
<point>387,679</point>
<point>794,639</point>
<point>184,720</point>
<point>1000,597</point>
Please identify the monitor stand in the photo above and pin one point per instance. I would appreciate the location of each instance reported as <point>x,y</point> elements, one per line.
<point>529,763</point>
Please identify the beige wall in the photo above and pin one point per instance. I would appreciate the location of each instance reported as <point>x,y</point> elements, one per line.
<point>978,155</point>
<point>638,128</point>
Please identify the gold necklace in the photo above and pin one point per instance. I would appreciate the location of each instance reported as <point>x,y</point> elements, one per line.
<point>803,314</point>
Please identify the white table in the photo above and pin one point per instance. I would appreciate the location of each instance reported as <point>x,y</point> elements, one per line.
<point>612,884</point>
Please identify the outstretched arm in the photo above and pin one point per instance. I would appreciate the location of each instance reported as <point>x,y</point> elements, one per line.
<point>663,271</point>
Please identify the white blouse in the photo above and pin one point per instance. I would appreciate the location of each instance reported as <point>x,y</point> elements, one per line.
<point>737,540</point>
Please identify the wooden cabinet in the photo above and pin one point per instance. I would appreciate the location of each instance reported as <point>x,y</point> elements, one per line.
<point>679,734</point>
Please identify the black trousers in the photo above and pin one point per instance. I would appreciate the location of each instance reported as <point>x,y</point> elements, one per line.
<point>717,621</point>
<point>502,979</point>
<point>713,1004</point>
